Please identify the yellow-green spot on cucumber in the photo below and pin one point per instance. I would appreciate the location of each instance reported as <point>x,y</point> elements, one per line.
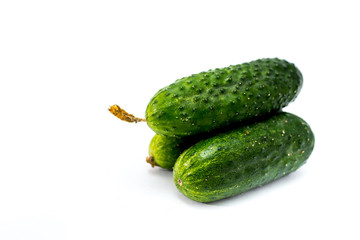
<point>211,100</point>
<point>238,160</point>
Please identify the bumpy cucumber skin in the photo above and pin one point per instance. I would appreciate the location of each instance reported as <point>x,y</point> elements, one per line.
<point>214,99</point>
<point>241,159</point>
<point>165,150</point>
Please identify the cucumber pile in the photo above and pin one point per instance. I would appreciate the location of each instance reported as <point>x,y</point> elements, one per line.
<point>223,132</point>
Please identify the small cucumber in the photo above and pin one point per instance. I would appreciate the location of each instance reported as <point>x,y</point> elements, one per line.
<point>210,100</point>
<point>244,158</point>
<point>164,151</point>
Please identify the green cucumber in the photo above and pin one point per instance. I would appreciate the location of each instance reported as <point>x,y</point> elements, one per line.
<point>217,98</point>
<point>244,158</point>
<point>163,151</point>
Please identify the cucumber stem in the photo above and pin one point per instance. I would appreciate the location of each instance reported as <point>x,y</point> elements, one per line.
<point>123,115</point>
<point>151,161</point>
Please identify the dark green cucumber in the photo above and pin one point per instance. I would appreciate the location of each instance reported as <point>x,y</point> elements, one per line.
<point>217,98</point>
<point>241,159</point>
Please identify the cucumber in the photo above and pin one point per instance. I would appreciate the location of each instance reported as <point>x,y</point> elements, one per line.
<point>211,100</point>
<point>244,158</point>
<point>163,151</point>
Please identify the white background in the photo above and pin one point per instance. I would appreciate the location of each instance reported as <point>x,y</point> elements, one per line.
<point>71,170</point>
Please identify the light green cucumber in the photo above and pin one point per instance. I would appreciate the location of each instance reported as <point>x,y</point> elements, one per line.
<point>164,151</point>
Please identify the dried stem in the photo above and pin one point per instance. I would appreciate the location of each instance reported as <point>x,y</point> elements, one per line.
<point>151,161</point>
<point>123,115</point>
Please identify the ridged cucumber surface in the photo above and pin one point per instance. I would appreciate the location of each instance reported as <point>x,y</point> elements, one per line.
<point>244,158</point>
<point>209,100</point>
